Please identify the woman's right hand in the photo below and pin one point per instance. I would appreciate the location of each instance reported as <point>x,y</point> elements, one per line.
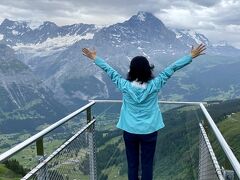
<point>90,54</point>
<point>195,52</point>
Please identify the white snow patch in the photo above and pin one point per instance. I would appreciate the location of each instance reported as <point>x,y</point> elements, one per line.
<point>157,51</point>
<point>198,38</point>
<point>80,95</point>
<point>51,45</point>
<point>194,36</point>
<point>177,33</point>
<point>1,37</point>
<point>221,43</point>
<point>129,58</point>
<point>98,75</point>
<point>100,26</point>
<point>146,55</point>
<point>34,24</point>
<point>116,35</point>
<point>141,16</point>
<point>87,36</point>
<point>14,32</point>
<point>11,96</point>
<point>178,36</point>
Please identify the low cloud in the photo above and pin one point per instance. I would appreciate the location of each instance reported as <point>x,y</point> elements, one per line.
<point>206,16</point>
<point>206,3</point>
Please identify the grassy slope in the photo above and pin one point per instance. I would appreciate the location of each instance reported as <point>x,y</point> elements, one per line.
<point>230,128</point>
<point>6,174</point>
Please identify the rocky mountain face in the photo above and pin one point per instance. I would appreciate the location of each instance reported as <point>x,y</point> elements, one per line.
<point>24,102</point>
<point>54,54</point>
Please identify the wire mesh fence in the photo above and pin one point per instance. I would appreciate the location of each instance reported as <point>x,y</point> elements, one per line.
<point>109,142</point>
<point>72,160</point>
<point>209,168</point>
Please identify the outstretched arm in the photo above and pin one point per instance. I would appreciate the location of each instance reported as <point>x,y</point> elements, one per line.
<point>162,78</point>
<point>112,73</point>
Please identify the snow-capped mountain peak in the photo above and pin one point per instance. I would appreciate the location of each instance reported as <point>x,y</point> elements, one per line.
<point>14,27</point>
<point>141,16</point>
<point>9,23</point>
<point>145,17</point>
<point>190,37</point>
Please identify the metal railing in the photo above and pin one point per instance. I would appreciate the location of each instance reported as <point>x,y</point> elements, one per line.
<point>75,153</point>
<point>38,138</point>
<point>40,171</point>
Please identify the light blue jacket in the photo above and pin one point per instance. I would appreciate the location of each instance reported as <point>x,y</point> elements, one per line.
<point>140,112</point>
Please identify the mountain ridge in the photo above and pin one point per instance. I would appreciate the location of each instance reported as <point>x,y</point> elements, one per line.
<point>13,34</point>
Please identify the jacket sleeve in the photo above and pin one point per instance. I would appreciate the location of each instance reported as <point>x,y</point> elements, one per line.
<point>162,78</point>
<point>112,73</point>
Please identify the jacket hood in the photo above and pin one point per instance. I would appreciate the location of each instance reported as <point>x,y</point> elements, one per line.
<point>139,92</point>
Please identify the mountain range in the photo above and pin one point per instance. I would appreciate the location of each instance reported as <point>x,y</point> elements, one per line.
<point>53,54</point>
<point>24,102</point>
<point>43,76</point>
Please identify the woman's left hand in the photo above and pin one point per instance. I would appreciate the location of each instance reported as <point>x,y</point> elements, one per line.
<point>90,54</point>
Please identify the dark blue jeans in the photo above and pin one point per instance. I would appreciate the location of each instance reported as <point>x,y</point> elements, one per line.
<point>146,144</point>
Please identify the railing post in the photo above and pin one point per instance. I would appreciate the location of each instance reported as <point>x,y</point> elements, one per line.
<point>40,148</point>
<point>92,147</point>
<point>42,174</point>
<point>228,174</point>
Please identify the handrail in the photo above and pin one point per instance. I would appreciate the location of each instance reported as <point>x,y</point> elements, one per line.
<point>231,157</point>
<point>165,102</point>
<point>42,133</point>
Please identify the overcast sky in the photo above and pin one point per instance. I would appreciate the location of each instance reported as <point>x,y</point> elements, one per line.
<point>217,19</point>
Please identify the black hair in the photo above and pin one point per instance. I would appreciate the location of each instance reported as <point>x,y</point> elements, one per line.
<point>140,70</point>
